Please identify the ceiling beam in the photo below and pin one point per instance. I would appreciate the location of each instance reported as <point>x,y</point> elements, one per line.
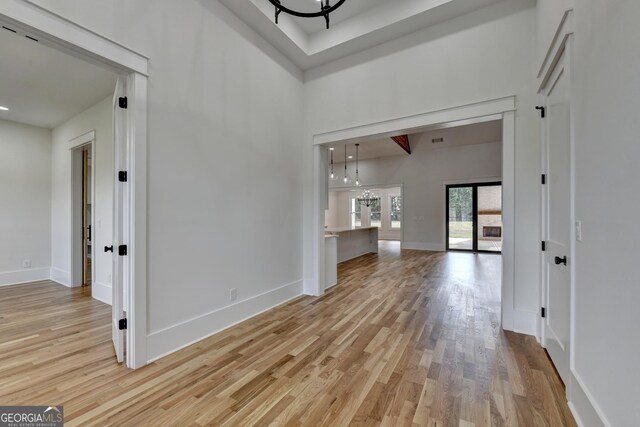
<point>403,141</point>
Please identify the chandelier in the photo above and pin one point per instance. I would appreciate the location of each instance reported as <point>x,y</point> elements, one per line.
<point>325,10</point>
<point>367,198</point>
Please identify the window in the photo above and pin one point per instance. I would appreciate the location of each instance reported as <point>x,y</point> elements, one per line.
<point>356,213</point>
<point>376,213</point>
<point>396,211</point>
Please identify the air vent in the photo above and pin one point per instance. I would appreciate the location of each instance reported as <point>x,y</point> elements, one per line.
<point>31,38</point>
<point>437,140</point>
<point>9,29</point>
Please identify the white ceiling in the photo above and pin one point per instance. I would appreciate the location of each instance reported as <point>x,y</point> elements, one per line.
<point>454,134</point>
<point>44,87</point>
<point>368,150</point>
<point>357,25</point>
<point>348,10</point>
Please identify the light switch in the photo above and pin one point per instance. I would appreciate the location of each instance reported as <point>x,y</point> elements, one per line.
<point>579,231</point>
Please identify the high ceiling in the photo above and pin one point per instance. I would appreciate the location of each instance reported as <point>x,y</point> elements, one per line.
<point>44,87</point>
<point>453,134</point>
<point>355,26</point>
<point>350,9</point>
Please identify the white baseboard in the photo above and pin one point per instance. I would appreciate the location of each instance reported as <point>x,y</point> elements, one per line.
<point>27,275</point>
<point>585,410</point>
<point>60,276</point>
<point>101,292</point>
<point>420,246</point>
<point>174,338</point>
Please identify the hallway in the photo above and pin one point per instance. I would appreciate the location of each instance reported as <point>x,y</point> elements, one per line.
<point>405,337</point>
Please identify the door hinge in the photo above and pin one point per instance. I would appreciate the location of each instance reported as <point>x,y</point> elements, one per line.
<point>122,176</point>
<point>122,324</point>
<point>123,102</point>
<point>543,312</point>
<point>122,250</point>
<point>542,110</point>
<point>544,246</point>
<point>544,179</point>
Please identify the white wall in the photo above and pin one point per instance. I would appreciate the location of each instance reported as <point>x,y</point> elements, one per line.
<point>424,174</point>
<point>25,196</point>
<point>224,172</point>
<point>484,55</point>
<point>605,383</point>
<point>99,118</point>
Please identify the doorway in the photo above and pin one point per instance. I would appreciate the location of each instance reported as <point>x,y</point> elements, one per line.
<point>86,209</point>
<point>46,29</point>
<point>474,217</point>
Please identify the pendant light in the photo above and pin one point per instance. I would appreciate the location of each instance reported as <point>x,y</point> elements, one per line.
<point>346,177</point>
<point>357,177</point>
<point>332,175</point>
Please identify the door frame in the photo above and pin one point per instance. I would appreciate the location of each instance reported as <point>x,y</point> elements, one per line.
<point>76,146</point>
<point>474,185</point>
<point>492,109</point>
<point>66,36</point>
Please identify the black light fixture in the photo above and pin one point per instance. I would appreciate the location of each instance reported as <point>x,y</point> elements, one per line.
<point>346,177</point>
<point>357,177</point>
<point>367,198</point>
<point>325,10</point>
<point>333,175</point>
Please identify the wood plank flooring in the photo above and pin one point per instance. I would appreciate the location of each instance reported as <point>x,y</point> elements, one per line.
<point>406,338</point>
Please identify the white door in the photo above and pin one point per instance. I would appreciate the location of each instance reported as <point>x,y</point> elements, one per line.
<point>558,223</point>
<point>120,194</point>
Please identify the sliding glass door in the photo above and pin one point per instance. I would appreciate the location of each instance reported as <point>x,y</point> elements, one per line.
<point>474,217</point>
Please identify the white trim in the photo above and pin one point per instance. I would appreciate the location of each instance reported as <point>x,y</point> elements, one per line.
<point>583,406</point>
<point>508,221</point>
<point>410,124</point>
<point>420,246</point>
<point>60,276</point>
<point>137,287</point>
<point>556,48</point>
<point>101,292</point>
<point>82,139</point>
<point>62,34</point>
<point>188,332</point>
<point>8,278</point>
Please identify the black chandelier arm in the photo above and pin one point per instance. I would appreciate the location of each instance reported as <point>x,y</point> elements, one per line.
<point>324,12</point>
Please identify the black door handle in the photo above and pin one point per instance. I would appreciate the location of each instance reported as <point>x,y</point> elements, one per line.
<point>108,248</point>
<point>562,260</point>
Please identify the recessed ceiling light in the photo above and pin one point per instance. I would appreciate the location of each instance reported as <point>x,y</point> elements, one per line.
<point>331,149</point>
<point>4,108</point>
<point>351,157</point>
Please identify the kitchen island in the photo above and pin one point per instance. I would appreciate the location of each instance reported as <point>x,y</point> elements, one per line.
<point>353,242</point>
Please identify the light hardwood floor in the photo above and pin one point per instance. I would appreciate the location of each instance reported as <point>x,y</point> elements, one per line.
<point>406,338</point>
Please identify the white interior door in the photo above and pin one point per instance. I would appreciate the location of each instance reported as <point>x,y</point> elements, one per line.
<point>558,222</point>
<point>120,198</point>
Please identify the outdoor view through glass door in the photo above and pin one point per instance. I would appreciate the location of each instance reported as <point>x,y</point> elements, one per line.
<point>474,220</point>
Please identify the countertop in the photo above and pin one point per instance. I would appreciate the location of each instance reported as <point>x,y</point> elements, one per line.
<point>343,229</point>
